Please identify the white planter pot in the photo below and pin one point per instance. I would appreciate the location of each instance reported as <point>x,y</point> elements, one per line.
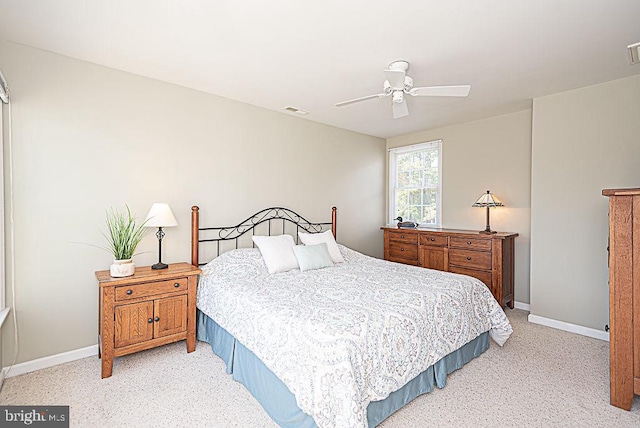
<point>121,268</point>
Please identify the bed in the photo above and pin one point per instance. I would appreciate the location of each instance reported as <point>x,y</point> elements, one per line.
<point>344,345</point>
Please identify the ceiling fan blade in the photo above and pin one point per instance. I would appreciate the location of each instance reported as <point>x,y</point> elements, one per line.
<point>357,100</point>
<point>400,109</point>
<point>441,91</point>
<point>395,78</point>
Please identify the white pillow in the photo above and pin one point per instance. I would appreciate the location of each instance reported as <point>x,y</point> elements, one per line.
<point>312,257</point>
<point>277,252</point>
<point>327,238</point>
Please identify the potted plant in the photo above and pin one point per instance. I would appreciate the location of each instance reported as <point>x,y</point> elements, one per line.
<point>123,236</point>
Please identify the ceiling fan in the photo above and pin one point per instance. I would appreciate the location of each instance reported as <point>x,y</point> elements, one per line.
<point>398,84</point>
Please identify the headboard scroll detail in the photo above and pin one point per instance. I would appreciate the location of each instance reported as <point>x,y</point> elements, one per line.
<point>267,215</point>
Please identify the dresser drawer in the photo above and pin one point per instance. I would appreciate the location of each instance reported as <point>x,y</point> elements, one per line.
<point>471,243</point>
<point>400,250</point>
<point>437,240</point>
<point>409,238</point>
<point>482,275</point>
<point>470,259</point>
<point>127,292</point>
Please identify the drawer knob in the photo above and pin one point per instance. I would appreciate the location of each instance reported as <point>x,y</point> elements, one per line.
<point>157,319</point>
<point>401,249</point>
<point>468,242</point>
<point>402,236</point>
<point>177,284</point>
<point>129,292</point>
<point>433,239</point>
<point>468,258</point>
<point>150,320</point>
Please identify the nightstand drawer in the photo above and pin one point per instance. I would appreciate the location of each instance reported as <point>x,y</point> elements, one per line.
<point>403,251</point>
<point>471,243</point>
<point>433,240</point>
<point>409,238</point>
<point>127,292</point>
<point>470,259</point>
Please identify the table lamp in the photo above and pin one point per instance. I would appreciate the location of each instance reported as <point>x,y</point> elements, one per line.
<point>160,216</point>
<point>488,200</point>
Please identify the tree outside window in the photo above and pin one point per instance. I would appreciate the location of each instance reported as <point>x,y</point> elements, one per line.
<point>415,183</point>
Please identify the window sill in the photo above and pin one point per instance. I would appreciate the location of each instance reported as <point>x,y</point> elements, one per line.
<point>3,315</point>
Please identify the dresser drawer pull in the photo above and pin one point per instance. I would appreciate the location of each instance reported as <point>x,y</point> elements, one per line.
<point>468,242</point>
<point>157,319</point>
<point>401,249</point>
<point>150,320</point>
<point>433,239</point>
<point>468,258</point>
<point>177,284</point>
<point>129,292</point>
<point>402,236</point>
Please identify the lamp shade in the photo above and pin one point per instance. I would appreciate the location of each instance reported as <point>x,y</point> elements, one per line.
<point>160,215</point>
<point>488,200</point>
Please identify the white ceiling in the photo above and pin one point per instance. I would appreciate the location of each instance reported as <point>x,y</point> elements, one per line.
<point>313,54</point>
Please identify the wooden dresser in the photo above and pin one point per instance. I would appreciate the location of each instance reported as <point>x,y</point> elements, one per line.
<point>149,309</point>
<point>490,258</point>
<point>624,295</point>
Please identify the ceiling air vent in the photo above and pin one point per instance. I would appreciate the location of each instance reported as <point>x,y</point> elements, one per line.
<point>634,53</point>
<point>296,110</point>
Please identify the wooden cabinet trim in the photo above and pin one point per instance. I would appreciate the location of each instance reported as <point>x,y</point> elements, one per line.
<point>624,295</point>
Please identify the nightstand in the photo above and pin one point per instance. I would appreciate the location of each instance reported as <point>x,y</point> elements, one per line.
<point>148,309</point>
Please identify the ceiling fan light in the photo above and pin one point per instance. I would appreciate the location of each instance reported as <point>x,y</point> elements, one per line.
<point>398,97</point>
<point>634,53</point>
<point>408,83</point>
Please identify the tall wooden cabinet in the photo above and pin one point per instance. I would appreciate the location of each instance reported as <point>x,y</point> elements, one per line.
<point>624,295</point>
<point>488,257</point>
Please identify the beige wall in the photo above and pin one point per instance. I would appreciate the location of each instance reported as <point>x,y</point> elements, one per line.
<point>492,154</point>
<point>86,138</point>
<point>583,141</point>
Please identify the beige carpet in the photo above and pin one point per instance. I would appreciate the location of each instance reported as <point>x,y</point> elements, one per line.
<point>541,378</point>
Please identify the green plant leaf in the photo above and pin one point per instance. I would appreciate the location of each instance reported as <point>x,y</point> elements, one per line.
<point>123,235</point>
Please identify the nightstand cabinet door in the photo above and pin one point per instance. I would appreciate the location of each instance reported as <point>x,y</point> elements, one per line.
<point>170,315</point>
<point>133,323</point>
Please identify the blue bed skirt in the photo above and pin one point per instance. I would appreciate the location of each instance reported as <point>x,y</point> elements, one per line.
<point>280,403</point>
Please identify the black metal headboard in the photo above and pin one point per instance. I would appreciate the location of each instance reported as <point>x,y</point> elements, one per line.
<point>233,233</point>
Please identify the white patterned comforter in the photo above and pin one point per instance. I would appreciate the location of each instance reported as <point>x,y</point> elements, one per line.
<point>344,336</point>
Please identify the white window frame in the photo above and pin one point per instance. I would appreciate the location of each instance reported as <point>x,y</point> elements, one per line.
<point>437,144</point>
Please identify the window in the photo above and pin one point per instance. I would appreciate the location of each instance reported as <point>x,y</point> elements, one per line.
<point>415,183</point>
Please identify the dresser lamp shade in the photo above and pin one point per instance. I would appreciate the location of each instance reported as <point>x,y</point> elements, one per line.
<point>160,215</point>
<point>487,201</point>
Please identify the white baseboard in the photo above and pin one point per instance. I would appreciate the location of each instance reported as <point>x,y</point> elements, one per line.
<point>53,360</point>
<point>573,328</point>
<point>523,306</point>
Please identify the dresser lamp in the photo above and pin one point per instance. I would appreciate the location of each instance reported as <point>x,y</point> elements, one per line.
<point>160,216</point>
<point>488,200</point>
